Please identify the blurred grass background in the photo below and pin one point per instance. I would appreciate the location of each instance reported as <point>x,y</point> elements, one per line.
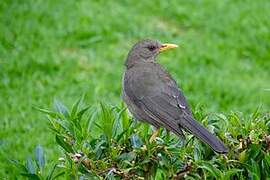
<point>62,49</point>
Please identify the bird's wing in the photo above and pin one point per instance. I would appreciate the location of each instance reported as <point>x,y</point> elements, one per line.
<point>155,85</point>
<point>154,91</point>
<point>173,93</point>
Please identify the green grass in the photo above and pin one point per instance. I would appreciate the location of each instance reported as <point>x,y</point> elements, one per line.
<point>62,49</point>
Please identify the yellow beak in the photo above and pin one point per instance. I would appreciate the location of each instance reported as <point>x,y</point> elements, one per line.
<point>167,46</point>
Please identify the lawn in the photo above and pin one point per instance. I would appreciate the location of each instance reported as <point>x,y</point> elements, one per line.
<point>63,49</point>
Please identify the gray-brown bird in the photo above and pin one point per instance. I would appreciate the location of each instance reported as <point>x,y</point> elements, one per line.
<point>152,95</point>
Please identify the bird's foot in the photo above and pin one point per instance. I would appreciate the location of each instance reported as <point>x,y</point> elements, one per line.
<point>154,135</point>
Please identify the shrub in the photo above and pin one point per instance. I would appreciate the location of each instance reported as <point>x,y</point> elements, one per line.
<point>107,143</point>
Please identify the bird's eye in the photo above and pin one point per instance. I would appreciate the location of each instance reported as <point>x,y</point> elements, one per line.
<point>151,48</point>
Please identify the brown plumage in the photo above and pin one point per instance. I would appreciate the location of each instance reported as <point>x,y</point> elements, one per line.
<point>152,95</point>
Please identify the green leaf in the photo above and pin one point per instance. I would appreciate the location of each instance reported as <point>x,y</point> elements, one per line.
<point>127,156</point>
<point>75,107</point>
<point>31,176</point>
<point>210,168</point>
<point>40,159</point>
<point>66,125</point>
<point>231,172</point>
<point>30,166</point>
<point>121,135</point>
<point>66,146</point>
<point>125,119</point>
<point>20,166</point>
<point>106,120</point>
<point>265,166</point>
<point>255,170</point>
<point>50,113</point>
<point>58,175</point>
<point>256,113</point>
<point>267,159</point>
<point>91,121</point>
<point>197,153</point>
<point>117,124</point>
<point>136,141</point>
<point>50,176</point>
<point>81,113</point>
<point>61,108</point>
<point>100,145</point>
<point>110,175</point>
<point>254,151</point>
<point>242,156</point>
<point>159,175</point>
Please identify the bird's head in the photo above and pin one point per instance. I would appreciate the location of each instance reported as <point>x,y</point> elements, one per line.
<point>146,50</point>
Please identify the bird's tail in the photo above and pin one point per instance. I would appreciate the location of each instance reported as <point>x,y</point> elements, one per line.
<point>203,134</point>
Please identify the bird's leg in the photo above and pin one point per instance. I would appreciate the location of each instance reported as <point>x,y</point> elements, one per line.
<point>154,135</point>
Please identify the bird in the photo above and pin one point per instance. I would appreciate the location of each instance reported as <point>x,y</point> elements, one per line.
<point>153,96</point>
